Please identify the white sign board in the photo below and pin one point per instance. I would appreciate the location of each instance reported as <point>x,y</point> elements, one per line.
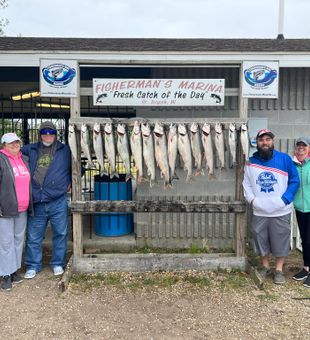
<point>58,78</point>
<point>260,79</point>
<point>158,92</point>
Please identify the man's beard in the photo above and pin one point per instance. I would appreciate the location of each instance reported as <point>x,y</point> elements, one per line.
<point>265,153</point>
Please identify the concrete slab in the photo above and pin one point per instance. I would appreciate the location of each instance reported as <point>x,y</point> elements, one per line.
<point>156,262</point>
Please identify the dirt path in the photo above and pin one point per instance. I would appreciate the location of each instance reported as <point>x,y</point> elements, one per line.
<point>155,306</point>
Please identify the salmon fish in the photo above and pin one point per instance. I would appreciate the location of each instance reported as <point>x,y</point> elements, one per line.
<point>161,154</point>
<point>232,142</point>
<point>110,151</point>
<point>207,144</point>
<point>244,139</point>
<point>184,147</point>
<point>196,148</point>
<point>85,145</point>
<point>172,150</point>
<point>98,146</point>
<point>219,144</point>
<point>73,141</point>
<point>123,148</point>
<point>148,152</point>
<point>136,149</point>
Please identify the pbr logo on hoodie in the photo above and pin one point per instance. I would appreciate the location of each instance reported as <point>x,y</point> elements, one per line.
<point>266,181</point>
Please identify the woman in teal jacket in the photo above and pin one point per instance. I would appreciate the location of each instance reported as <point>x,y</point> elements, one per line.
<point>302,205</point>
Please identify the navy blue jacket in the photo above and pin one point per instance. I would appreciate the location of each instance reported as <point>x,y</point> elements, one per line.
<point>58,175</point>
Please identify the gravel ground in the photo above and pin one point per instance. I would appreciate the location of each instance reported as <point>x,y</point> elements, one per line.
<point>187,305</point>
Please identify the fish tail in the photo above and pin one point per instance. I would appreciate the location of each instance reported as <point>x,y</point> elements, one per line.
<point>91,165</point>
<point>128,177</point>
<point>104,173</point>
<point>189,178</point>
<point>152,182</point>
<point>174,176</point>
<point>114,174</point>
<point>211,176</point>
<point>141,179</point>
<point>199,172</point>
<point>168,184</point>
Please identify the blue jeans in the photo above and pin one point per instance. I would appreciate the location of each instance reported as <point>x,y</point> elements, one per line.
<point>56,212</point>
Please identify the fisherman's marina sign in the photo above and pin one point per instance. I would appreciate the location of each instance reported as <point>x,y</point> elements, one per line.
<point>158,92</point>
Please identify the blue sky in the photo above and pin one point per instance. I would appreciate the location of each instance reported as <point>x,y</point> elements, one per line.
<point>156,19</point>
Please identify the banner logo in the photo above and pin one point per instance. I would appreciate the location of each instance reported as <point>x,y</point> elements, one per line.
<point>260,76</point>
<point>58,75</point>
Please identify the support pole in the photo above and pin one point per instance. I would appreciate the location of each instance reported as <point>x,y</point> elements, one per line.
<point>76,178</point>
<point>240,219</point>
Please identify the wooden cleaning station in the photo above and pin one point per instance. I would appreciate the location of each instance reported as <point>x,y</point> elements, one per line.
<point>79,207</point>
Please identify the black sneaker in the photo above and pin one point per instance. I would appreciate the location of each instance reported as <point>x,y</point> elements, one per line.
<point>301,275</point>
<point>6,283</point>
<point>16,278</point>
<point>307,282</point>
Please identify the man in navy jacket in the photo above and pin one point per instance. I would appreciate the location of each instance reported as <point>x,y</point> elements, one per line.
<point>50,166</point>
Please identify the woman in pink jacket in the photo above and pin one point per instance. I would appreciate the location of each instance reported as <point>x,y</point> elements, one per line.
<point>14,203</point>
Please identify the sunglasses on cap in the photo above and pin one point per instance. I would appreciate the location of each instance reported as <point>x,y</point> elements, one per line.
<point>48,132</point>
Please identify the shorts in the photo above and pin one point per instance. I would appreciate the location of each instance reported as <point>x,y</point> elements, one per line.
<point>272,235</point>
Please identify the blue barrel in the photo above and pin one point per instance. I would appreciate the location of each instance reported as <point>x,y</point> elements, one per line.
<point>113,189</point>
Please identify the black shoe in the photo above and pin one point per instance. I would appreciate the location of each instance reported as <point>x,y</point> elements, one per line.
<point>301,275</point>
<point>6,283</point>
<point>307,282</point>
<point>16,278</point>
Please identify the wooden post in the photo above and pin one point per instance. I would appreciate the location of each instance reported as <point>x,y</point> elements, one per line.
<point>76,179</point>
<point>240,219</point>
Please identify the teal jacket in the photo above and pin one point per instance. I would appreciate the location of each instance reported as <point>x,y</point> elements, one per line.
<point>302,197</point>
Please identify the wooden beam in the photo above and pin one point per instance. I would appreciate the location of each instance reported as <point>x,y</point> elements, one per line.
<point>92,207</point>
<point>243,102</point>
<point>64,282</point>
<point>240,218</point>
<point>76,179</point>
<point>130,122</point>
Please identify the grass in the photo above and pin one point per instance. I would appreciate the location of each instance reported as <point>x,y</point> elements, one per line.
<point>133,281</point>
<point>234,280</point>
<point>200,280</point>
<point>268,297</point>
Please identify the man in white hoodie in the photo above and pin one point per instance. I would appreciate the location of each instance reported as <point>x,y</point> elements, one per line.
<point>270,183</point>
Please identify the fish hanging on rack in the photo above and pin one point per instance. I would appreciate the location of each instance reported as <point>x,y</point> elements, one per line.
<point>123,148</point>
<point>161,154</point>
<point>219,144</point>
<point>196,148</point>
<point>136,148</point>
<point>172,144</point>
<point>207,144</point>
<point>184,147</point>
<point>72,141</point>
<point>232,142</point>
<point>148,152</point>
<point>109,144</point>
<point>85,145</point>
<point>244,139</point>
<point>98,146</point>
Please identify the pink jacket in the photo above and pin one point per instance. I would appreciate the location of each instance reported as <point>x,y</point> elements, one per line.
<point>22,180</point>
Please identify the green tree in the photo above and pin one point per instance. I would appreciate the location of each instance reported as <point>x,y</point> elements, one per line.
<point>3,21</point>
